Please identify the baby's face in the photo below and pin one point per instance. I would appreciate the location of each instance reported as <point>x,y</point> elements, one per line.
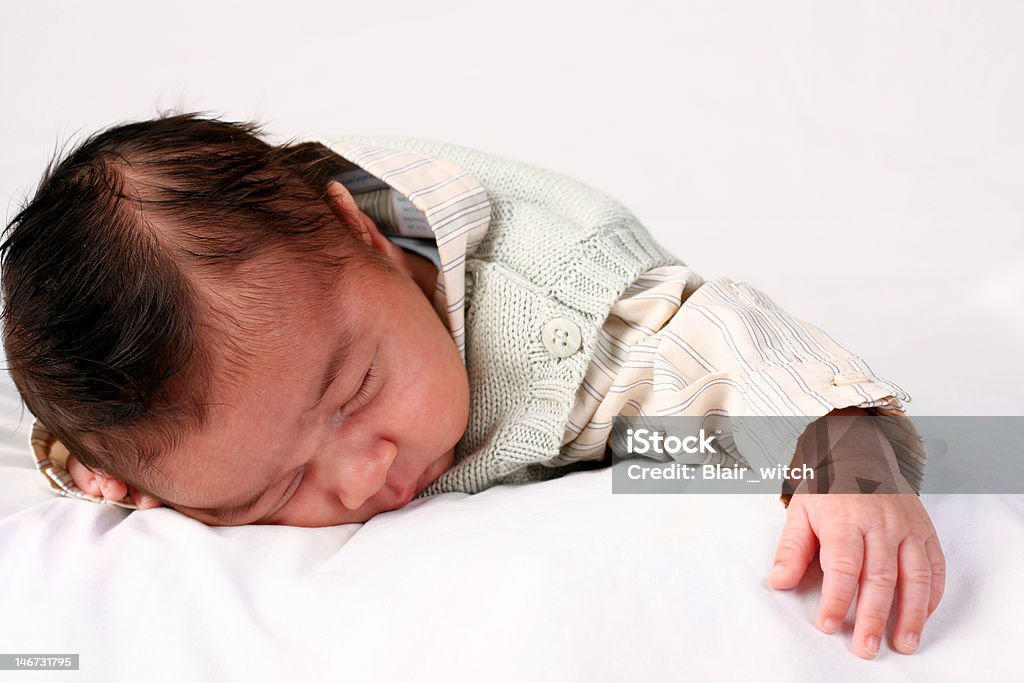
<point>383,430</point>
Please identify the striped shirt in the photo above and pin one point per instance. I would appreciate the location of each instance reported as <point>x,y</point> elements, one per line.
<point>673,344</point>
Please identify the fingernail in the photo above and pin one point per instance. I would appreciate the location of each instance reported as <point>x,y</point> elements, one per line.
<point>831,625</point>
<point>911,640</point>
<point>871,645</point>
<point>779,568</point>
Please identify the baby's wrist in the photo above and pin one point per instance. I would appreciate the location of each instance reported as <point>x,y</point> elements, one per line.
<point>847,452</point>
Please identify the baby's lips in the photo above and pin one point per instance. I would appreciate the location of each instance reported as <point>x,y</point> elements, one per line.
<point>424,480</point>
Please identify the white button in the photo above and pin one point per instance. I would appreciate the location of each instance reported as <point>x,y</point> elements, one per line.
<point>561,337</point>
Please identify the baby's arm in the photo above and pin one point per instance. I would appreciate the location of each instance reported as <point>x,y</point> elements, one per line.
<point>886,543</point>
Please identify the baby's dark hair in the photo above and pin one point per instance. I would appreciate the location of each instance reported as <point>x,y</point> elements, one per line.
<point>115,276</point>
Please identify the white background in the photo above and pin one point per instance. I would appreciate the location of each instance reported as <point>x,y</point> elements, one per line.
<point>860,162</point>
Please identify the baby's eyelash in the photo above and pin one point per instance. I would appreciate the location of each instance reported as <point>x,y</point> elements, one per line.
<point>364,389</point>
<point>365,393</point>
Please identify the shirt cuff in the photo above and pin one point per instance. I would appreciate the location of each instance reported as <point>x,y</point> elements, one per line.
<point>815,387</point>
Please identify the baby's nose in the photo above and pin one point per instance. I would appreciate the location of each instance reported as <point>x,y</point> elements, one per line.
<point>362,474</point>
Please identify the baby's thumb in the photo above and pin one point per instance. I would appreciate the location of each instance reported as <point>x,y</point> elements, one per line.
<point>795,550</point>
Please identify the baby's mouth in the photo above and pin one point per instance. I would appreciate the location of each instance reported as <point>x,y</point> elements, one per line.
<point>432,472</point>
<point>424,480</point>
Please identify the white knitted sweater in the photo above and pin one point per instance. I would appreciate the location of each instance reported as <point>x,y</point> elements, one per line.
<point>555,248</point>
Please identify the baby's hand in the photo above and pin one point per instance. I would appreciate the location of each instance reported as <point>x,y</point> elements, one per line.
<point>109,488</point>
<point>84,478</point>
<point>885,543</point>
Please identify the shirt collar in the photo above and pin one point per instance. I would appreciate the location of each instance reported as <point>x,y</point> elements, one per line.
<point>429,197</point>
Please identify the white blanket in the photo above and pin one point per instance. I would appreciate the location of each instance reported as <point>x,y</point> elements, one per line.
<point>558,581</point>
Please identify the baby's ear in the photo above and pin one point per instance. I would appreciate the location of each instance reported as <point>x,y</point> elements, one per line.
<point>105,486</point>
<point>344,207</point>
<point>342,203</point>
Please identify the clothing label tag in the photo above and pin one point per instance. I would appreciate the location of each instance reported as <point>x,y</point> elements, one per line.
<point>409,221</point>
<point>358,181</point>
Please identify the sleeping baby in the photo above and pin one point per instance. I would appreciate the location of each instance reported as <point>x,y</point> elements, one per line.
<point>309,335</point>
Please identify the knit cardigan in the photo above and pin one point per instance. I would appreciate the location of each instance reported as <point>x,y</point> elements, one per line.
<point>555,248</point>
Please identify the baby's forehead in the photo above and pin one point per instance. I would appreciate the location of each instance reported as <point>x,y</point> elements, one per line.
<point>261,296</point>
<point>259,331</point>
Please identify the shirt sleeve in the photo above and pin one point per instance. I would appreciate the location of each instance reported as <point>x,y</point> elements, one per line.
<point>676,344</point>
<point>784,367</point>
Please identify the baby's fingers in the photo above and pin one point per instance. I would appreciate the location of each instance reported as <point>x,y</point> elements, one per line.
<point>877,589</point>
<point>915,587</point>
<point>938,566</point>
<point>842,554</point>
<point>795,550</point>
<point>84,479</point>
